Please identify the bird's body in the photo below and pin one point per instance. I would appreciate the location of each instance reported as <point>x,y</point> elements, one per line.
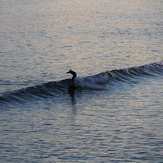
<point>73,75</point>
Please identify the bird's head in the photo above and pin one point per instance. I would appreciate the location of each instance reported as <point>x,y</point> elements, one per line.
<point>70,71</point>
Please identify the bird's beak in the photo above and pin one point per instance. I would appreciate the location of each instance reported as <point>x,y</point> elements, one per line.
<point>69,71</point>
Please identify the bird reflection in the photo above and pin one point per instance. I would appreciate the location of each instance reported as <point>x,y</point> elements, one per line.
<point>71,91</point>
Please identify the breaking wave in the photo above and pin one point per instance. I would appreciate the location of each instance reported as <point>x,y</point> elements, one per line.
<point>96,82</point>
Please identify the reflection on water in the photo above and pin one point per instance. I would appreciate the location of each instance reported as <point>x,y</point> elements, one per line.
<point>71,91</point>
<point>40,41</point>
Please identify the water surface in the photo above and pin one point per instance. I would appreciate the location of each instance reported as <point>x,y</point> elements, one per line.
<point>114,43</point>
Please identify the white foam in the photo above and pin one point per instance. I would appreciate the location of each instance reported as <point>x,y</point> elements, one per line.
<point>92,82</point>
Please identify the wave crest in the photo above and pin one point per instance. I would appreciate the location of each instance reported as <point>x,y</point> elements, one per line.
<point>96,82</point>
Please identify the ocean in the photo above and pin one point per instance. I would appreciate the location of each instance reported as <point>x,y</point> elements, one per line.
<point>114,114</point>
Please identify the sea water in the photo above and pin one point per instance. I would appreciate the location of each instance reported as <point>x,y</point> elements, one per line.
<point>113,45</point>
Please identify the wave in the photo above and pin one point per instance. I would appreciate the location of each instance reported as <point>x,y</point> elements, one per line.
<point>95,82</point>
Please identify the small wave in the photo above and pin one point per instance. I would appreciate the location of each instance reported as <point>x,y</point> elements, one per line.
<point>141,71</point>
<point>96,82</point>
<point>39,91</point>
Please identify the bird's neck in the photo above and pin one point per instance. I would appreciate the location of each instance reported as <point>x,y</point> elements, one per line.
<point>73,76</point>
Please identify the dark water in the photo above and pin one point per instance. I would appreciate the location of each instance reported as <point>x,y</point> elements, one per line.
<point>115,114</point>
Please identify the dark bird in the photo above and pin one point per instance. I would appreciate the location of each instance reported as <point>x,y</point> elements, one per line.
<point>73,75</point>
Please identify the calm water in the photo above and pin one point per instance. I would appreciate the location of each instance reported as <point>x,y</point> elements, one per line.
<point>113,45</point>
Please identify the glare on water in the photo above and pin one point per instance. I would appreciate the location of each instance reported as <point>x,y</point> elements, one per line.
<point>40,41</point>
